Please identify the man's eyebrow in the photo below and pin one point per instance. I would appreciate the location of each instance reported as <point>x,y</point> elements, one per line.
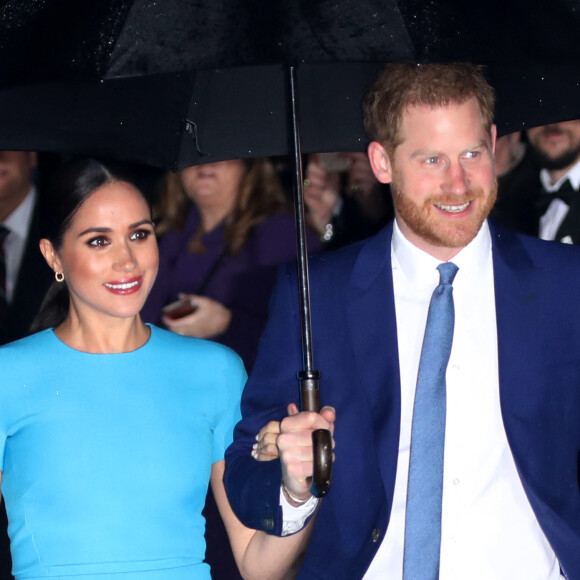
<point>480,143</point>
<point>425,153</point>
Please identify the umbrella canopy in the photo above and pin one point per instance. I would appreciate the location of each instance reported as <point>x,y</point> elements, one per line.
<point>180,82</point>
<point>64,39</point>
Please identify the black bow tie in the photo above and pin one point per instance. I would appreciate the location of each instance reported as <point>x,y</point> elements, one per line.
<point>566,193</point>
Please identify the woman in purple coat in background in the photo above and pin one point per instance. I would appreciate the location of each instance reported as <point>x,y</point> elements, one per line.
<point>235,230</point>
<point>225,228</point>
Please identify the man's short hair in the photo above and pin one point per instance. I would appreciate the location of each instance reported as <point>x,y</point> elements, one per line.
<point>403,85</point>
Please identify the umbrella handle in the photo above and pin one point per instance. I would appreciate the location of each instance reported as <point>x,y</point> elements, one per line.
<point>321,438</point>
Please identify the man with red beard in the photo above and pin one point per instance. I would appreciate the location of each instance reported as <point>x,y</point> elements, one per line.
<point>457,435</point>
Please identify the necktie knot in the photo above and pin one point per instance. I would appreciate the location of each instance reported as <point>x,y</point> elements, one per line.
<point>447,272</point>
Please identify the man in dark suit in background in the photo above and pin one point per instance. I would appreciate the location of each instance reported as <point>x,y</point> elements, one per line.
<point>457,436</point>
<point>24,275</point>
<point>541,196</point>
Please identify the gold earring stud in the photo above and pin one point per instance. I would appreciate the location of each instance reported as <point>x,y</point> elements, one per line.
<point>59,276</point>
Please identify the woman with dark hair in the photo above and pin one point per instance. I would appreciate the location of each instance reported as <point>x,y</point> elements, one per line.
<point>111,429</point>
<point>225,230</point>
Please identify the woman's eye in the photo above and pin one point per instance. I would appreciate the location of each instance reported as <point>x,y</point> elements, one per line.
<point>141,234</point>
<point>98,242</point>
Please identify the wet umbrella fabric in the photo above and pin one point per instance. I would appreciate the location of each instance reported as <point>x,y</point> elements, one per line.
<point>177,119</point>
<point>181,82</point>
<point>47,40</point>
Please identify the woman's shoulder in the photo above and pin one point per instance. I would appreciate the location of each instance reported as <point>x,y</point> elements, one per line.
<point>30,344</point>
<point>28,356</point>
<point>195,362</point>
<point>192,348</point>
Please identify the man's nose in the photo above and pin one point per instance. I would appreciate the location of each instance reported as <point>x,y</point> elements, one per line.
<point>456,181</point>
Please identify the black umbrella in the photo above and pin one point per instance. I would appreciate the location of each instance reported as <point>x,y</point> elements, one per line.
<point>159,82</point>
<point>180,82</point>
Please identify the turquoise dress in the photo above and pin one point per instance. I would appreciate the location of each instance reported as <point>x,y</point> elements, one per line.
<point>106,458</point>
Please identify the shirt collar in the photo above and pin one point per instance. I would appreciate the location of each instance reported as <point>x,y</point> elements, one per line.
<point>18,222</point>
<point>419,266</point>
<point>573,175</point>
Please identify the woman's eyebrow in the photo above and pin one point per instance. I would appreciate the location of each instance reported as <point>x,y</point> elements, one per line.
<point>106,230</point>
<point>96,230</point>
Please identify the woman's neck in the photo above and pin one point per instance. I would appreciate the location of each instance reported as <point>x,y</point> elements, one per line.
<point>211,217</point>
<point>100,335</point>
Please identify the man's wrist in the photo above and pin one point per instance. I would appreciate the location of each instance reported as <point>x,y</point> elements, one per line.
<point>291,498</point>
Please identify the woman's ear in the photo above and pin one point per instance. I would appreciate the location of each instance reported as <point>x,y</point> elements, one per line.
<point>50,255</point>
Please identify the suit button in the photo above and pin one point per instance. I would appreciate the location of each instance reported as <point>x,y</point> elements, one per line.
<point>267,524</point>
<point>376,535</point>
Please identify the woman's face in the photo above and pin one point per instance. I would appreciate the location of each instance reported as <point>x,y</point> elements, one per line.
<point>109,253</point>
<point>214,185</point>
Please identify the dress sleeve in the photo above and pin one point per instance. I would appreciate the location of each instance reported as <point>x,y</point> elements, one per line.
<point>233,379</point>
<point>6,410</point>
<point>2,443</point>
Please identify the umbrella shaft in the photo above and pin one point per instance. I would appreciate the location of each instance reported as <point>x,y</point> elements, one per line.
<point>303,284</point>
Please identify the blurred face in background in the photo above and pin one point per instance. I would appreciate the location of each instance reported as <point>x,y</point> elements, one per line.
<point>213,186</point>
<point>556,146</point>
<point>15,179</point>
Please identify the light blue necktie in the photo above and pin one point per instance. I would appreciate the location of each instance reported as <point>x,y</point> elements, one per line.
<point>425,488</point>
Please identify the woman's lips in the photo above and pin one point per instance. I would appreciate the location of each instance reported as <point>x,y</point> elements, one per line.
<point>124,286</point>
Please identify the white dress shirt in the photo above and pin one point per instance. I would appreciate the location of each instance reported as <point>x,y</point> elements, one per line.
<point>18,222</point>
<point>489,530</point>
<point>558,209</point>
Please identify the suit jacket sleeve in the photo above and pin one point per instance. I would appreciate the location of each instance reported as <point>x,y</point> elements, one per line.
<point>253,487</point>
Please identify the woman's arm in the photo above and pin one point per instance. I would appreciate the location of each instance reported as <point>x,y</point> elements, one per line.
<point>259,556</point>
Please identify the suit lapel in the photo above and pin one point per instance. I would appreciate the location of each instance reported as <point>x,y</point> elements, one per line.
<point>521,310</point>
<point>516,302</point>
<point>370,307</point>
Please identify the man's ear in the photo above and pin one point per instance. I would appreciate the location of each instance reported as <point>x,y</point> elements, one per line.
<point>50,255</point>
<point>380,162</point>
<point>493,137</point>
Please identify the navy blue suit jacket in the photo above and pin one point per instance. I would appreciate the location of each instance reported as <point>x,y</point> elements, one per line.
<point>537,286</point>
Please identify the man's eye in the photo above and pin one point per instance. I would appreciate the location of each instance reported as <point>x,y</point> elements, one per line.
<point>141,234</point>
<point>98,242</point>
<point>472,154</point>
<point>432,160</point>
